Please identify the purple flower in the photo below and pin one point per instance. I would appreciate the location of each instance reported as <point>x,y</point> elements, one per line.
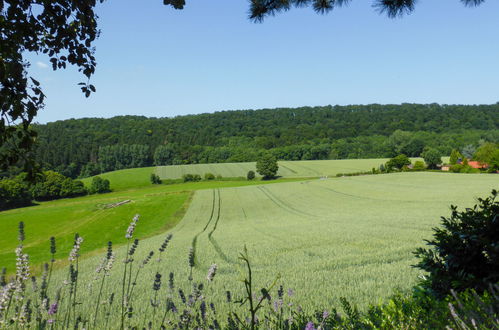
<point>53,309</point>
<point>325,315</point>
<point>291,292</point>
<point>310,326</point>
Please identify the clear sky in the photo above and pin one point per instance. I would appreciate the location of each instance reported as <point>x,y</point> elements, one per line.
<point>156,61</point>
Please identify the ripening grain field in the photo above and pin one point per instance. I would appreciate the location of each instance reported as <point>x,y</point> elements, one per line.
<point>291,169</point>
<point>349,236</point>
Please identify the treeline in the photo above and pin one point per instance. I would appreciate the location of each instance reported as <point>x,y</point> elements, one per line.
<point>82,147</point>
<point>50,185</point>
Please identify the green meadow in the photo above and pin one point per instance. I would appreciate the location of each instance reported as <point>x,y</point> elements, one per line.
<point>92,217</point>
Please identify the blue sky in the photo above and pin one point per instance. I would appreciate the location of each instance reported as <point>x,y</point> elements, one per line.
<point>155,61</point>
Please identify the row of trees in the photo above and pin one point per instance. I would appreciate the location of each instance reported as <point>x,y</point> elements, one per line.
<point>50,185</point>
<point>301,133</point>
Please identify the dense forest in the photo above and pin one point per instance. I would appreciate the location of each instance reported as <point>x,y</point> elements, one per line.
<point>83,147</point>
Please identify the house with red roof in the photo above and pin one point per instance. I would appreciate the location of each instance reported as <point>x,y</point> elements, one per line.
<point>478,165</point>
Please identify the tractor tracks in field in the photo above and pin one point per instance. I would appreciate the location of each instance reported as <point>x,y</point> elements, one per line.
<point>283,205</point>
<point>195,239</point>
<point>213,219</point>
<point>212,240</point>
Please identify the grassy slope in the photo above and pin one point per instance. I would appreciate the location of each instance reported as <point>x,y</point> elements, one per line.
<point>126,179</point>
<point>160,207</point>
<point>350,236</point>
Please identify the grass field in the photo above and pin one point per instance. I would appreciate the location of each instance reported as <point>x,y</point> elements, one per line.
<point>126,179</point>
<point>161,206</point>
<point>287,169</point>
<point>349,236</point>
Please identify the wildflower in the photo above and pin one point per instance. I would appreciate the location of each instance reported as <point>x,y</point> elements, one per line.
<point>280,292</point>
<point>131,227</point>
<point>325,315</point>
<point>34,283</point>
<point>6,295</point>
<point>229,296</point>
<point>182,295</point>
<point>110,263</point>
<point>212,272</point>
<point>191,257</point>
<point>147,259</point>
<point>212,306</point>
<point>165,243</point>
<point>22,265</point>
<point>291,292</point>
<point>133,247</point>
<point>53,309</point>
<point>3,281</point>
<point>171,284</point>
<point>310,326</point>
<point>21,232</point>
<point>53,249</point>
<point>203,310</point>
<point>75,252</point>
<point>157,282</point>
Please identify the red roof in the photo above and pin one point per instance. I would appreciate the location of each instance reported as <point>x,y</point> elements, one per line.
<point>476,164</point>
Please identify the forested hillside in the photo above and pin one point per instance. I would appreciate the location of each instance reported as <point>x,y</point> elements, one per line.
<point>91,145</point>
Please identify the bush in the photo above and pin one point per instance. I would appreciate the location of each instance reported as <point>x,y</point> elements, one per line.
<point>419,166</point>
<point>463,168</point>
<point>155,179</point>
<point>54,185</point>
<point>209,176</point>
<point>99,186</point>
<point>267,166</point>
<point>250,175</point>
<point>191,177</point>
<point>13,193</point>
<point>219,177</point>
<point>464,252</point>
<point>398,162</point>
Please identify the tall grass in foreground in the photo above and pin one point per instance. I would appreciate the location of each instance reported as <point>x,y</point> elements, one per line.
<point>41,302</point>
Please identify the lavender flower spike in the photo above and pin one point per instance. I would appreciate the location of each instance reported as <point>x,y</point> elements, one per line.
<point>310,326</point>
<point>131,228</point>
<point>75,252</point>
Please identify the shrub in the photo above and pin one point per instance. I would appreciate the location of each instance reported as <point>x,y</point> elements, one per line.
<point>99,186</point>
<point>250,175</point>
<point>267,166</point>
<point>54,185</point>
<point>191,177</point>
<point>419,166</point>
<point>219,177</point>
<point>464,252</point>
<point>155,179</point>
<point>209,176</point>
<point>13,193</point>
<point>397,162</point>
